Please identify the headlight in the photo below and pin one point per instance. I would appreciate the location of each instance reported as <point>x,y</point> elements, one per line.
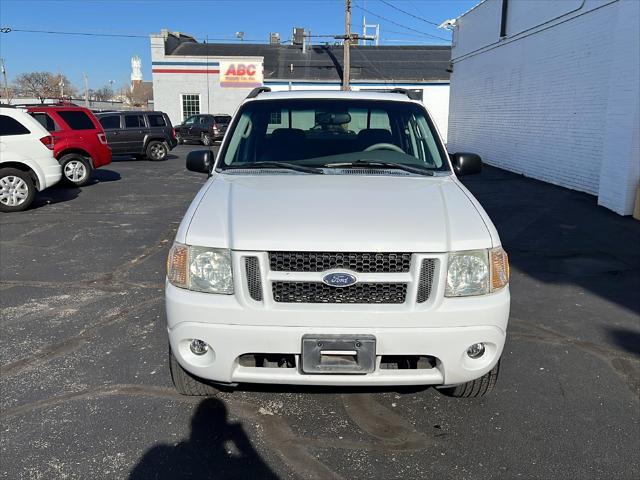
<point>468,273</point>
<point>201,269</point>
<point>477,272</point>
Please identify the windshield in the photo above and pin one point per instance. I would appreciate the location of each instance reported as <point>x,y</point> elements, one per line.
<point>321,133</point>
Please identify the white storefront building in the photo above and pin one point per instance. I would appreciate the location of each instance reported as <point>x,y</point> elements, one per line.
<point>550,89</point>
<point>191,77</point>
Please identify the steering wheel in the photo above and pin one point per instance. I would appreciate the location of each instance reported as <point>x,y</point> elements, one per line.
<point>384,146</point>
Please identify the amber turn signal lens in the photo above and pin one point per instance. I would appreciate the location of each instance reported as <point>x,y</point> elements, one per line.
<point>177,265</point>
<point>499,268</point>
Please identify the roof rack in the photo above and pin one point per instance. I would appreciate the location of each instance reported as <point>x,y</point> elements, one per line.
<point>409,93</point>
<point>257,91</point>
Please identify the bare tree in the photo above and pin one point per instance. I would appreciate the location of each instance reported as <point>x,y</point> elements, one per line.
<point>43,85</point>
<point>103,94</point>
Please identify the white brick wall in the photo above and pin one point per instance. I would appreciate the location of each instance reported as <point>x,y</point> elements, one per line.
<point>557,102</point>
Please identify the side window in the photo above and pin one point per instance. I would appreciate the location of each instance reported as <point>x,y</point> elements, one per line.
<point>191,120</point>
<point>379,119</point>
<point>190,104</point>
<point>10,126</point>
<point>134,121</point>
<point>110,122</point>
<point>76,120</point>
<point>46,121</point>
<point>156,120</point>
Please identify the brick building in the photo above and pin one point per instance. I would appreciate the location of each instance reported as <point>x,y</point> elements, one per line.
<point>550,89</point>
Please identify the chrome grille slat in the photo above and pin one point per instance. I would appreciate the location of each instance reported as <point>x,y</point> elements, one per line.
<point>362,262</point>
<point>425,281</point>
<point>315,292</point>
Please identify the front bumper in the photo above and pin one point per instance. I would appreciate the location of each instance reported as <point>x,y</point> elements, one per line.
<point>444,330</point>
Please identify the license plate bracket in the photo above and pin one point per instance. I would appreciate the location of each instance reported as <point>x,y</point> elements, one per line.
<point>338,354</point>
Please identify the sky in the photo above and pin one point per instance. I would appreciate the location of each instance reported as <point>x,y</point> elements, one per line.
<point>107,58</point>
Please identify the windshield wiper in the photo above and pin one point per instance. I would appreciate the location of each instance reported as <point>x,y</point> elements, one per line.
<point>286,165</point>
<point>377,163</point>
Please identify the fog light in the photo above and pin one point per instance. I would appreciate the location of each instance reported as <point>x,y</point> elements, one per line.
<point>199,347</point>
<point>474,351</point>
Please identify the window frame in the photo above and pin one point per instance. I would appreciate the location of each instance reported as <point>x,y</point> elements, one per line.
<point>193,111</point>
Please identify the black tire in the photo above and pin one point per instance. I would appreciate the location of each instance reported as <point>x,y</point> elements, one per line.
<point>188,384</point>
<point>157,150</point>
<point>10,179</point>
<point>76,169</point>
<point>476,388</point>
<point>206,139</point>
<point>179,138</point>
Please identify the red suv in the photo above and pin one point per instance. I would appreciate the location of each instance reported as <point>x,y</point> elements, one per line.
<point>80,144</point>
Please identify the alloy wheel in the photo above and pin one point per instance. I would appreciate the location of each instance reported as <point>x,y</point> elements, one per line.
<point>157,151</point>
<point>75,171</point>
<point>13,191</point>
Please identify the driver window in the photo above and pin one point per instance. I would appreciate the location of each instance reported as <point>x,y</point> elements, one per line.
<point>191,120</point>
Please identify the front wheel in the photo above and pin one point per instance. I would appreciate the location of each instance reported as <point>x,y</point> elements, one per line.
<point>157,150</point>
<point>207,141</point>
<point>76,169</point>
<point>188,384</point>
<point>475,388</point>
<point>16,190</point>
<point>179,138</point>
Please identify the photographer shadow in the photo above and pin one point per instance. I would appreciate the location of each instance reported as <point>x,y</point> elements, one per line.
<point>215,449</point>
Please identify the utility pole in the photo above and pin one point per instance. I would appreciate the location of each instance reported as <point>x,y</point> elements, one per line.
<point>346,60</point>
<point>4,78</point>
<point>86,89</point>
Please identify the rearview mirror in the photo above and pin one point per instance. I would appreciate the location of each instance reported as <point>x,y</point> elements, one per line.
<point>200,161</point>
<point>332,118</point>
<point>466,163</point>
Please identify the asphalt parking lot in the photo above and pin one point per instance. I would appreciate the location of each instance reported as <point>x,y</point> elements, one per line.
<point>85,384</point>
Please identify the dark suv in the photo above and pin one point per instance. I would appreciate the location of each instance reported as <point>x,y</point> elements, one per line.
<point>141,134</point>
<point>204,128</point>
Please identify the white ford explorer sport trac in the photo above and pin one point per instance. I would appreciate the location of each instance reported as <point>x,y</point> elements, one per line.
<point>333,244</point>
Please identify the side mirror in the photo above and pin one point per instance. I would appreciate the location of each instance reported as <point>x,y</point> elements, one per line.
<point>466,163</point>
<point>200,161</point>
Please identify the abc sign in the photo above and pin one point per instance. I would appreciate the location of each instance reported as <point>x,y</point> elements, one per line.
<point>240,70</point>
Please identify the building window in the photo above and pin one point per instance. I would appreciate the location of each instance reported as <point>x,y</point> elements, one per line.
<point>190,105</point>
<point>275,117</point>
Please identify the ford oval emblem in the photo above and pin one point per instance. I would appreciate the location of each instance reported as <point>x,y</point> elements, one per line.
<point>339,279</point>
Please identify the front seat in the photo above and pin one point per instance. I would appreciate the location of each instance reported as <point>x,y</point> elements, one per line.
<point>371,136</point>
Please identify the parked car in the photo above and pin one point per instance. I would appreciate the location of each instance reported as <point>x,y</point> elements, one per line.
<point>27,163</point>
<point>141,134</point>
<point>203,128</point>
<point>333,244</point>
<point>80,142</point>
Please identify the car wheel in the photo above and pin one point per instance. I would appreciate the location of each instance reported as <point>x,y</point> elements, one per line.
<point>17,190</point>
<point>179,139</point>
<point>206,140</point>
<point>157,151</point>
<point>188,384</point>
<point>476,388</point>
<point>76,169</point>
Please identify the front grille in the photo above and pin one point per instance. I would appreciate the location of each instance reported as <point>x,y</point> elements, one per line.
<point>354,261</point>
<point>315,292</point>
<point>254,283</point>
<point>426,279</point>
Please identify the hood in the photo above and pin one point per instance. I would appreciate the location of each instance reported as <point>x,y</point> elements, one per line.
<point>336,213</point>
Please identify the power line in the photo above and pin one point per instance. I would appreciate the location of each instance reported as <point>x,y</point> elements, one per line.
<point>408,13</point>
<point>400,25</point>
<point>96,34</point>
